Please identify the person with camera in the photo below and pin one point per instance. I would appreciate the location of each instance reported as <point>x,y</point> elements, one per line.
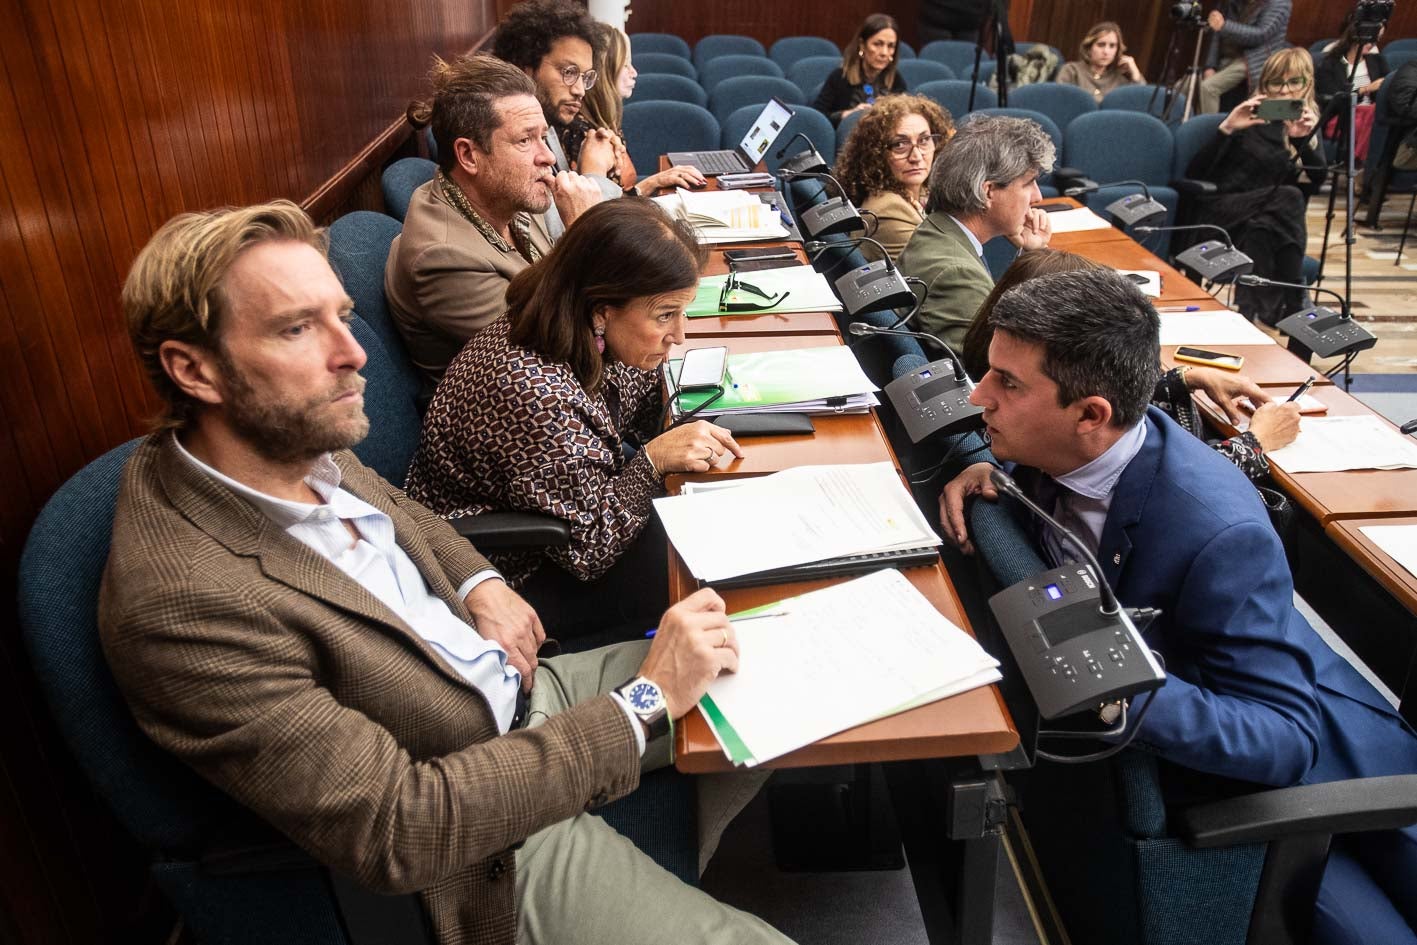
<point>1265,169</point>
<point>1247,33</point>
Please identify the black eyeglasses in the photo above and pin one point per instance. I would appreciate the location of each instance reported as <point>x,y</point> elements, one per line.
<point>733,284</point>
<point>900,147</point>
<point>572,74</point>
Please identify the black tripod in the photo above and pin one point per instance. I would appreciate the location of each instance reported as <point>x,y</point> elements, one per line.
<point>1189,84</point>
<point>998,25</point>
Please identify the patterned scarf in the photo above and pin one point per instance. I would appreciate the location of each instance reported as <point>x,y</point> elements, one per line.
<point>520,225</point>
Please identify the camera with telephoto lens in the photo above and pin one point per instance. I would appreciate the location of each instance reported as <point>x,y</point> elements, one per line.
<point>1369,17</point>
<point>1188,11</point>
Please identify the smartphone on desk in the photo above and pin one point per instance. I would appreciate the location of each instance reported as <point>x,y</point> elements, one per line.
<point>1280,109</point>
<point>703,368</point>
<point>1218,359</point>
<point>755,260</point>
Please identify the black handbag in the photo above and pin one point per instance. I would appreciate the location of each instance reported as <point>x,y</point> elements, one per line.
<point>1281,517</point>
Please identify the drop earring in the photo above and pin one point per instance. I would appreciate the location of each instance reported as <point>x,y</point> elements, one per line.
<point>600,339</point>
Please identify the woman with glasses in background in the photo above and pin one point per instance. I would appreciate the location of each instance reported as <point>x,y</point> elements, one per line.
<point>886,162</point>
<point>867,70</point>
<point>1264,173</point>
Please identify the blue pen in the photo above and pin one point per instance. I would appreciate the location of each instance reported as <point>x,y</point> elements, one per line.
<point>1179,308</point>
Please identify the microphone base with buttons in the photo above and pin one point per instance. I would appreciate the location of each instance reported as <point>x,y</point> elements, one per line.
<point>1072,655</point>
<point>931,399</point>
<point>1325,332</point>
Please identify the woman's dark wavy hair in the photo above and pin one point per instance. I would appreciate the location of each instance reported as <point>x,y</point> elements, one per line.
<point>530,29</point>
<point>864,165</point>
<point>616,251</point>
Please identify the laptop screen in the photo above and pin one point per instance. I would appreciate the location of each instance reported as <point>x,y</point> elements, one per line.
<point>764,131</point>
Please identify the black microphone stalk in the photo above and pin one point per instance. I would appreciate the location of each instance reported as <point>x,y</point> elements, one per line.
<point>817,247</point>
<point>1004,483</point>
<point>863,330</point>
<point>1254,280</point>
<point>1194,226</point>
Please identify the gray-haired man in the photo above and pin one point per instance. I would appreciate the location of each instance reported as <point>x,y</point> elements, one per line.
<point>984,180</point>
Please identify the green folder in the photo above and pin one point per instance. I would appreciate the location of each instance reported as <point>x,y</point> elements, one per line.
<point>807,291</point>
<point>765,379</point>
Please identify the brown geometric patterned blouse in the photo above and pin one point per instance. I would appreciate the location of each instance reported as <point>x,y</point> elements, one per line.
<point>509,430</point>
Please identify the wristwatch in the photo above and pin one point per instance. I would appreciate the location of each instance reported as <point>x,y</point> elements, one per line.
<point>646,700</point>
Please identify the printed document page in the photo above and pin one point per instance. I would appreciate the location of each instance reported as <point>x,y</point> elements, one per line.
<point>824,662</point>
<point>1075,221</point>
<point>1209,329</point>
<point>807,513</point>
<point>1398,542</point>
<point>1335,444</point>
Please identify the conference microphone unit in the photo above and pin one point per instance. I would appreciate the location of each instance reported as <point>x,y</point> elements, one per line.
<point>873,287</point>
<point>1132,210</point>
<point>932,398</point>
<point>1075,645</point>
<point>809,161</point>
<point>834,215</point>
<point>1321,330</point>
<point>1213,261</point>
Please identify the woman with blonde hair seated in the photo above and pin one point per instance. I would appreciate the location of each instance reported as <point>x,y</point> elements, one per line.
<point>1102,63</point>
<point>886,163</point>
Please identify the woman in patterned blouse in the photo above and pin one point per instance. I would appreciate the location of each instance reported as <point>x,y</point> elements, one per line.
<point>536,412</point>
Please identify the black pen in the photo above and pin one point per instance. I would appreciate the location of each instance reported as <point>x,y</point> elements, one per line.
<point>1303,389</point>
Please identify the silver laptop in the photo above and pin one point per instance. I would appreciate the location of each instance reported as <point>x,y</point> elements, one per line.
<point>764,130</point>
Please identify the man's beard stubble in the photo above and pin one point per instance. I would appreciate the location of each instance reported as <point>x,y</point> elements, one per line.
<point>286,433</point>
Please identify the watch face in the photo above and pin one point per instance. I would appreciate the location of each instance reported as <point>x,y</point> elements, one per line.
<point>644,697</point>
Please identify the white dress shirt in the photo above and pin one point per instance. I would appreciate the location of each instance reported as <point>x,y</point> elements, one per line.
<point>1083,507</point>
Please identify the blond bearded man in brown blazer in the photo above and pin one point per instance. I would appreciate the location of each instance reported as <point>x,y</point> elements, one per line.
<point>336,658</point>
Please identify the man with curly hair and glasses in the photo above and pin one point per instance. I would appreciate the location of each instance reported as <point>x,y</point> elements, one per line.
<point>886,164</point>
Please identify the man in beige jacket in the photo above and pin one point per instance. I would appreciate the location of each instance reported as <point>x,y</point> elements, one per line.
<point>480,220</point>
<point>337,659</point>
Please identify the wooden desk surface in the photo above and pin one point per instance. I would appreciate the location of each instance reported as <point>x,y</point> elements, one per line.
<point>1126,253</point>
<point>1073,242</point>
<point>971,723</point>
<point>1354,494</point>
<point>1266,365</point>
<point>847,438</point>
<point>1399,581</point>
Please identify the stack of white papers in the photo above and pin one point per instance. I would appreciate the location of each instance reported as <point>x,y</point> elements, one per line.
<point>808,513</point>
<point>1398,542</point>
<point>725,216</point>
<point>1075,221</point>
<point>1336,444</point>
<point>1208,329</point>
<point>815,665</point>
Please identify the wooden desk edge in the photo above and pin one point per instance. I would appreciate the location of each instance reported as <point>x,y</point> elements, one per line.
<point>1393,577</point>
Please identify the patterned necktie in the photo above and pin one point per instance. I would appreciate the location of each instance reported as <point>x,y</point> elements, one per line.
<point>1055,499</point>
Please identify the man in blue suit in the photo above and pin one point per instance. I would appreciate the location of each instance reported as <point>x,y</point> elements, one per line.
<point>1253,692</point>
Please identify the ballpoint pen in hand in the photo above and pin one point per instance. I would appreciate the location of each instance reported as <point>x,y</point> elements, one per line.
<point>1303,389</point>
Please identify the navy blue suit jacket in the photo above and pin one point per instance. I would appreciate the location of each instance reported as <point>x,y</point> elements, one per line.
<point>1253,692</point>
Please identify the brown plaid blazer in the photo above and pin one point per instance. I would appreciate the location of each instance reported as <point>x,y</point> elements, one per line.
<point>286,684</point>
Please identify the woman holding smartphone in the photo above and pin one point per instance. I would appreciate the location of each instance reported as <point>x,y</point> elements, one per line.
<point>1265,169</point>
<point>535,415</point>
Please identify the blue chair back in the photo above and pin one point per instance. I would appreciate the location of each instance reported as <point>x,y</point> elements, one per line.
<point>732,94</point>
<point>726,44</point>
<point>904,50</point>
<point>666,43</point>
<point>1400,46</point>
<point>805,119</point>
<point>843,130</point>
<point>735,66</point>
<point>665,63</point>
<point>1091,143</point>
<point>359,250</point>
<point>400,179</point>
<point>953,95</point>
<point>1045,182</point>
<point>1150,99</point>
<point>161,802</point>
<point>790,50</point>
<point>916,72</point>
<point>986,73</point>
<point>655,128</point>
<point>808,74</point>
<point>1189,138</point>
<point>1062,103</point>
<point>654,87</point>
<point>1021,47</point>
<point>432,144</point>
<point>1316,50</point>
<point>955,53</point>
<point>1399,58</point>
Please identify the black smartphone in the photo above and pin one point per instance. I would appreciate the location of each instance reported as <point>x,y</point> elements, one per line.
<point>755,260</point>
<point>1280,109</point>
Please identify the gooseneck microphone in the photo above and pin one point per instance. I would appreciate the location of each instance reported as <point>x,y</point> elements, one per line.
<point>1212,261</point>
<point>1086,185</point>
<point>1005,483</point>
<point>1192,226</point>
<point>863,330</point>
<point>835,215</point>
<point>816,247</point>
<point>1130,211</point>
<point>1262,281</point>
<point>1318,330</point>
